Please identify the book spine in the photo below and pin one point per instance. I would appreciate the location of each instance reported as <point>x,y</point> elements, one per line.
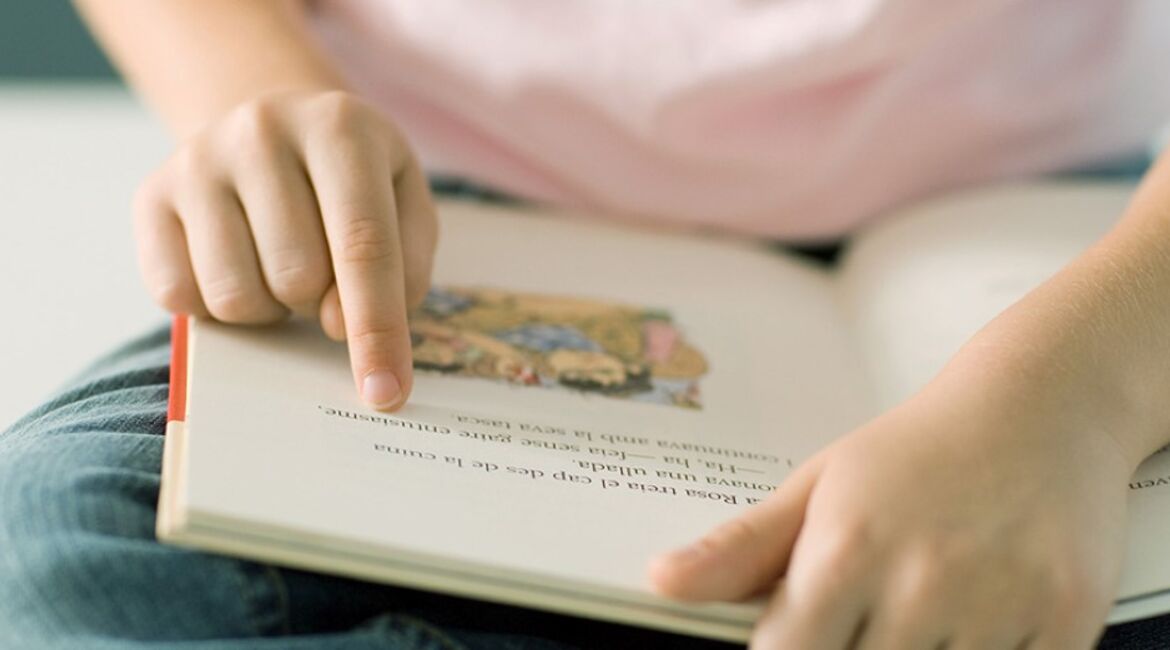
<point>177,398</point>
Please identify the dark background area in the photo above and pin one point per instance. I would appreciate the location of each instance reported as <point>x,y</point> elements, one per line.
<point>44,39</point>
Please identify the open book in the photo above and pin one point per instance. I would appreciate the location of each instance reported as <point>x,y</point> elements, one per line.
<point>589,395</point>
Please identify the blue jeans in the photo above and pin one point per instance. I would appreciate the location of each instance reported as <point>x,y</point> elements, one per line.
<point>80,567</point>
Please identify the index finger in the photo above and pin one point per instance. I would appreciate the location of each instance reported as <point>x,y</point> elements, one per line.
<point>354,183</point>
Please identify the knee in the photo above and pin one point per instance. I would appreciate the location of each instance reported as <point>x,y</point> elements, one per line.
<point>84,464</point>
<point>68,484</point>
<point>72,505</point>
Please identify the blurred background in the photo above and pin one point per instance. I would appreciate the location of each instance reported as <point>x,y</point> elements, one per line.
<point>45,40</point>
<point>73,145</point>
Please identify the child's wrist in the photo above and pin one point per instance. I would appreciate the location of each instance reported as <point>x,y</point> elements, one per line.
<point>1067,396</point>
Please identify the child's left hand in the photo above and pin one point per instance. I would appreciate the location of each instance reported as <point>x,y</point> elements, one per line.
<point>966,518</point>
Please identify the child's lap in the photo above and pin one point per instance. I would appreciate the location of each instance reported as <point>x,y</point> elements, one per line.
<point>81,568</point>
<point>78,487</point>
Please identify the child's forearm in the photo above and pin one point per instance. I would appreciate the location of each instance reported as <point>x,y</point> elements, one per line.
<point>195,59</point>
<point>1093,343</point>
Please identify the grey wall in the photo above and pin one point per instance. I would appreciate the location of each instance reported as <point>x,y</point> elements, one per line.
<point>45,39</point>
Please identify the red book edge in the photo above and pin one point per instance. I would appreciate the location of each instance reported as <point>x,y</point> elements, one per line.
<point>177,400</point>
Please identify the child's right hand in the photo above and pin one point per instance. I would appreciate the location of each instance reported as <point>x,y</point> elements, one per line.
<point>306,202</point>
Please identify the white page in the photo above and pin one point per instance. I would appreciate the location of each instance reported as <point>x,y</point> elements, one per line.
<point>276,438</point>
<point>919,285</point>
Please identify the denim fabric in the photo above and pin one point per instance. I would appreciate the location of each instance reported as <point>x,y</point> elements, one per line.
<point>80,567</point>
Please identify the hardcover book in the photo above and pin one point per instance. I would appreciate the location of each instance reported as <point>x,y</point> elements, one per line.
<point>588,395</point>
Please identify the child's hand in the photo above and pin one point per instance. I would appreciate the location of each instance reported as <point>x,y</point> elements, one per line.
<point>957,520</point>
<point>301,202</point>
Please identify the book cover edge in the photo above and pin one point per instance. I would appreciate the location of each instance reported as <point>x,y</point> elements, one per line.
<point>172,519</point>
<point>177,397</point>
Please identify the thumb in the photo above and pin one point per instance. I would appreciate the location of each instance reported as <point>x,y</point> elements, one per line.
<point>332,320</point>
<point>744,555</point>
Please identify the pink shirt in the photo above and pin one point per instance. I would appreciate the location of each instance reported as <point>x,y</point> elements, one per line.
<point>789,118</point>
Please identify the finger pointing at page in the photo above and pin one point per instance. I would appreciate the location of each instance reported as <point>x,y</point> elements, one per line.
<point>352,167</point>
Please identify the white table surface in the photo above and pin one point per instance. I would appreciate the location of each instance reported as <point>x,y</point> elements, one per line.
<point>70,159</point>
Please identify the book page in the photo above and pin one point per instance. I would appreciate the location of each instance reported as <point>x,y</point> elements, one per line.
<point>917,286</point>
<point>920,283</point>
<point>586,397</point>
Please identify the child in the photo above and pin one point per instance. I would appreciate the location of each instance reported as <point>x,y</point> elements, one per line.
<point>294,190</point>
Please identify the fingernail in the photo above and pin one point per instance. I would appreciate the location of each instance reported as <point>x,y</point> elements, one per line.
<point>381,389</point>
